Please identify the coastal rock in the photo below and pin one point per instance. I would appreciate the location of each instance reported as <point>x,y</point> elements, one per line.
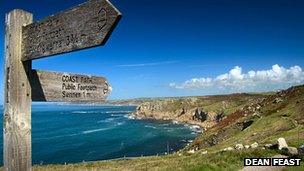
<point>277,100</point>
<point>256,114</point>
<point>282,143</point>
<point>182,112</point>
<point>239,146</point>
<point>219,117</point>
<point>301,150</point>
<point>271,146</point>
<point>204,152</point>
<point>192,151</point>
<point>254,145</point>
<point>267,145</point>
<point>228,149</point>
<point>245,124</point>
<point>199,115</point>
<point>292,151</point>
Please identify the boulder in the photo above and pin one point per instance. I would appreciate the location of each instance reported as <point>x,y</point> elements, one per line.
<point>277,100</point>
<point>191,151</point>
<point>247,146</point>
<point>301,150</point>
<point>256,114</point>
<point>219,117</point>
<point>254,145</point>
<point>247,124</point>
<point>271,146</point>
<point>291,151</point>
<point>268,145</point>
<point>205,152</point>
<point>228,149</point>
<point>239,146</point>
<point>282,143</point>
<point>200,115</point>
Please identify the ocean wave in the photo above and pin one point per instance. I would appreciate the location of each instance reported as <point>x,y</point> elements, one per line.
<point>96,130</point>
<point>150,126</point>
<point>103,129</point>
<point>85,112</point>
<point>129,116</point>
<point>120,111</point>
<point>116,115</point>
<point>59,136</point>
<point>175,122</point>
<point>107,120</point>
<point>100,112</point>
<point>195,129</point>
<point>119,123</point>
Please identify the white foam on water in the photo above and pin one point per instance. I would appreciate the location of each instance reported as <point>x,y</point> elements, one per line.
<point>119,123</point>
<point>59,136</point>
<point>107,120</point>
<point>150,126</point>
<point>85,112</point>
<point>175,122</point>
<point>102,112</point>
<point>96,130</point>
<point>103,129</point>
<point>131,117</point>
<point>119,111</point>
<point>195,129</point>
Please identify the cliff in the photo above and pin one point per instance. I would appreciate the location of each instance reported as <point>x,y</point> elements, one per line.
<point>204,111</point>
<point>237,119</point>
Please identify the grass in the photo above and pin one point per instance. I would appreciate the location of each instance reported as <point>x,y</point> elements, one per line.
<point>284,119</point>
<point>232,160</point>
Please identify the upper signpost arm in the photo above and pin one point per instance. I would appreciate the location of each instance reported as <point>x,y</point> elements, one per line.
<point>87,25</point>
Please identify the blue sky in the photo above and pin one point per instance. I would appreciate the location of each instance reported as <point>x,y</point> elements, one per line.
<point>182,48</point>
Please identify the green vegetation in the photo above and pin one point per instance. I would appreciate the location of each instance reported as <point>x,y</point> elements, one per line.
<point>249,118</point>
<point>279,115</point>
<point>216,161</point>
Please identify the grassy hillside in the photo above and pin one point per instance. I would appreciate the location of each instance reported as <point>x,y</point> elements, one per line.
<point>278,115</point>
<point>248,119</point>
<point>216,161</point>
<point>204,111</point>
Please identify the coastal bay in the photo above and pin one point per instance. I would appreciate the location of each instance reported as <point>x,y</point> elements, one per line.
<point>76,133</point>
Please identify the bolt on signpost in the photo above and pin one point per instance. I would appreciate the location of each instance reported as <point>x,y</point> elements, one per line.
<point>86,25</point>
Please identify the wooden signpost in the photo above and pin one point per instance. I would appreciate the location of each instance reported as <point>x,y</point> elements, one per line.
<point>54,86</point>
<point>87,25</point>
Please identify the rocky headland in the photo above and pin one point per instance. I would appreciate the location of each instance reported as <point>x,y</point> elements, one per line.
<point>204,111</point>
<point>237,126</point>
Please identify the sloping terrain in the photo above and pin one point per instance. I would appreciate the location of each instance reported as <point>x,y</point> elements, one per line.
<point>204,111</point>
<point>277,115</point>
<point>245,119</point>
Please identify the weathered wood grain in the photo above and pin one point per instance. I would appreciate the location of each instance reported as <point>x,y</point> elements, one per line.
<point>65,87</point>
<point>87,25</point>
<point>17,105</point>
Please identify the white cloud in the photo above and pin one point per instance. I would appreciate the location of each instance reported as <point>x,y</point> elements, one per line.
<point>235,79</point>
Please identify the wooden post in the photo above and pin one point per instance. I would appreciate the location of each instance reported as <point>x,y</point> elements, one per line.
<point>17,105</point>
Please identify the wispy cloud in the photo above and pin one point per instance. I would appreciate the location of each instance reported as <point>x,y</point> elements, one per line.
<point>148,64</point>
<point>235,79</point>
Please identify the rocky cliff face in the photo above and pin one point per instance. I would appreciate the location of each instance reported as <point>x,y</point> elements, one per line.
<point>203,111</point>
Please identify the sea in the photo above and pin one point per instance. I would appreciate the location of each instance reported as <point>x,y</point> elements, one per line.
<point>79,133</point>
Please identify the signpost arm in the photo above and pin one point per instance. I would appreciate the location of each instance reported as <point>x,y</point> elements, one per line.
<point>17,105</point>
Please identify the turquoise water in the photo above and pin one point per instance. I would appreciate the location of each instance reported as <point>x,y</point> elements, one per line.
<point>69,134</point>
